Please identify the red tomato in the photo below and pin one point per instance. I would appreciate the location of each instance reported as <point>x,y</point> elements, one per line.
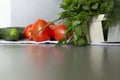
<point>28,31</point>
<point>58,32</point>
<point>42,35</point>
<point>51,26</point>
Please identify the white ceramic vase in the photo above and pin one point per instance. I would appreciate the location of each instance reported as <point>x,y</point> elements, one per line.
<point>114,33</point>
<point>95,29</point>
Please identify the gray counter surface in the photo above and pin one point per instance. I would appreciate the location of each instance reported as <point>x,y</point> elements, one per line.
<point>47,62</point>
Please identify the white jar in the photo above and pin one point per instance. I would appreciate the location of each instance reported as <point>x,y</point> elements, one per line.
<point>95,29</point>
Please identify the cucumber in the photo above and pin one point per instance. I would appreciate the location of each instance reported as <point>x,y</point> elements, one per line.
<point>1,33</point>
<point>20,30</point>
<point>11,34</point>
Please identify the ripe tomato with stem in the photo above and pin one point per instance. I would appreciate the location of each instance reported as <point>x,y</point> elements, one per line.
<point>40,33</point>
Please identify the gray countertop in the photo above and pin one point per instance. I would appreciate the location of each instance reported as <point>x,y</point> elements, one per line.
<point>47,62</point>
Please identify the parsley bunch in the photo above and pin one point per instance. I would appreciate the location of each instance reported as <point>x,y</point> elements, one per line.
<point>77,14</point>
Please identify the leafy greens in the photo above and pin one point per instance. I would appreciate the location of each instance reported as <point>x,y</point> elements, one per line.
<point>77,14</point>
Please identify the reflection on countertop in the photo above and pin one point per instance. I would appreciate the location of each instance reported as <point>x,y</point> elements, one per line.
<point>48,62</point>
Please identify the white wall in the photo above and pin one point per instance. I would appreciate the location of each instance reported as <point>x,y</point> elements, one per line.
<point>5,13</point>
<point>24,12</point>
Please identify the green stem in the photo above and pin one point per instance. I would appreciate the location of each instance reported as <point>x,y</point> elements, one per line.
<point>47,25</point>
<point>88,36</point>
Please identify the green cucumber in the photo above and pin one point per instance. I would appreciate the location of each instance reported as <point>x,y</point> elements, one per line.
<point>1,33</point>
<point>11,34</point>
<point>20,30</point>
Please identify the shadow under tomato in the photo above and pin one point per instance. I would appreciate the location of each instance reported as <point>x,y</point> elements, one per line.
<point>42,55</point>
<point>38,54</point>
<point>59,54</point>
